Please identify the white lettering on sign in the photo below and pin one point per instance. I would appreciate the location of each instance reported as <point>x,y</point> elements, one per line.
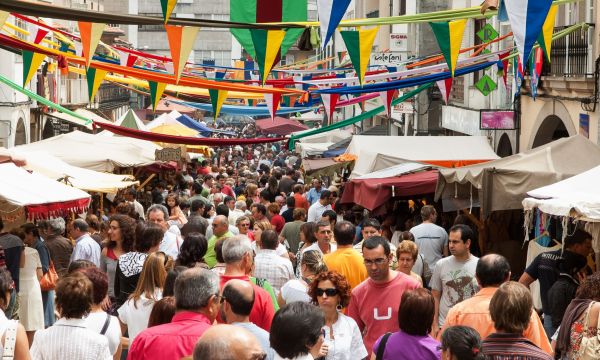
<point>376,315</point>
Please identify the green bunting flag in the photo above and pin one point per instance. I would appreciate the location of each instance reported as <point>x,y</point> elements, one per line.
<point>217,97</point>
<point>359,45</point>
<point>31,62</point>
<point>266,44</point>
<point>449,36</point>
<point>94,79</point>
<point>167,7</point>
<point>267,11</point>
<point>156,91</point>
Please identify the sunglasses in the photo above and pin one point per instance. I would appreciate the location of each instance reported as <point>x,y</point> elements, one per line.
<point>329,292</point>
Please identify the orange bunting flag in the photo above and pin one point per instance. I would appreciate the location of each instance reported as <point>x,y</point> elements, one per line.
<point>181,41</point>
<point>90,37</point>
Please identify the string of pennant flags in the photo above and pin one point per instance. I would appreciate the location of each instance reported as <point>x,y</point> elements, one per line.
<point>531,23</point>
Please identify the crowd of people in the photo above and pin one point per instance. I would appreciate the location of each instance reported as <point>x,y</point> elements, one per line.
<point>240,258</point>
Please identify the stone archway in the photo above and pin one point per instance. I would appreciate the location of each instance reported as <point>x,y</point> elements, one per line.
<point>48,130</point>
<point>552,128</point>
<point>553,122</point>
<point>20,133</point>
<point>504,148</point>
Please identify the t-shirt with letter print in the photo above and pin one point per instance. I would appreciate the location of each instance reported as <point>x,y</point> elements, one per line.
<point>456,282</point>
<point>374,306</point>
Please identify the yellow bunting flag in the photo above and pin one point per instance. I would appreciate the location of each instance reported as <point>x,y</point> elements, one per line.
<point>90,37</point>
<point>31,62</point>
<point>3,16</point>
<point>359,45</point>
<point>94,79</point>
<point>545,38</point>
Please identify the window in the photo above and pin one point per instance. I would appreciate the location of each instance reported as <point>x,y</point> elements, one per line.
<point>479,24</point>
<point>402,7</point>
<point>373,14</point>
<point>158,27</point>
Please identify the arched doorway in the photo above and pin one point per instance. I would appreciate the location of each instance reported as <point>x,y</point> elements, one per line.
<point>48,130</point>
<point>20,134</point>
<point>504,146</point>
<point>552,128</point>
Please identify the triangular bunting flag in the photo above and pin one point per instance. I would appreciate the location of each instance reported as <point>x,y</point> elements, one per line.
<point>127,59</point>
<point>31,62</point>
<point>90,36</point>
<point>272,103</point>
<point>504,62</point>
<point>217,97</point>
<point>181,41</point>
<point>36,34</point>
<point>445,86</point>
<point>449,36</point>
<point>156,91</point>
<point>94,79</point>
<point>331,13</point>
<point>359,45</point>
<point>518,74</point>
<point>266,44</point>
<point>387,97</point>
<point>167,7</point>
<point>329,103</point>
<point>526,19</point>
<point>545,38</point>
<point>535,70</point>
<point>3,17</point>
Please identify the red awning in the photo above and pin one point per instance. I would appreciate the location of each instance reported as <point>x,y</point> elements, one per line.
<point>372,193</point>
<point>182,140</point>
<point>281,126</point>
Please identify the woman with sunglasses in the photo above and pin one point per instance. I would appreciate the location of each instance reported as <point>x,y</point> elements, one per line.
<point>331,292</point>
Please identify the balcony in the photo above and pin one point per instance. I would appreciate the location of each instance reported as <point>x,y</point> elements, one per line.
<point>570,71</point>
<point>111,96</point>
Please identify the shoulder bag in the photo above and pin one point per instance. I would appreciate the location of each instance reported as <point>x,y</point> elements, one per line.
<point>590,345</point>
<point>50,278</point>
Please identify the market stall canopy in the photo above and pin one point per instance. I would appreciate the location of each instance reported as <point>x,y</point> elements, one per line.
<point>76,121</point>
<point>577,196</point>
<point>396,170</point>
<point>84,179</point>
<point>201,128</point>
<point>93,152</point>
<point>130,120</point>
<point>279,126</point>
<point>320,143</point>
<point>372,193</point>
<point>502,184</point>
<point>40,196</point>
<point>166,106</point>
<point>444,151</point>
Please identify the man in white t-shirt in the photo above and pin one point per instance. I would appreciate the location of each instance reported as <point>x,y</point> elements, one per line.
<point>316,210</point>
<point>454,277</point>
<point>431,239</point>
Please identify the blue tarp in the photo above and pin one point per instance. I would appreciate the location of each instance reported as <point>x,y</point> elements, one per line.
<point>244,110</point>
<point>202,129</point>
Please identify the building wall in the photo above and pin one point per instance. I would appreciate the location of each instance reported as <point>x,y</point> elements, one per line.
<point>563,96</point>
<point>14,106</point>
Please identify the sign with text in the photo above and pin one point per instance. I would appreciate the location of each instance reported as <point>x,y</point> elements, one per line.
<point>398,42</point>
<point>387,58</point>
<point>497,120</point>
<point>168,154</point>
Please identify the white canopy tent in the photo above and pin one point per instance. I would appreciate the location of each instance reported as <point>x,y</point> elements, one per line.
<point>577,196</point>
<point>40,196</point>
<point>84,179</point>
<point>99,153</point>
<point>388,151</point>
<point>319,143</point>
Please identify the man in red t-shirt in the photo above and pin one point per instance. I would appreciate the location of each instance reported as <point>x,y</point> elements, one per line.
<point>225,189</point>
<point>375,302</point>
<point>301,201</point>
<point>239,258</point>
